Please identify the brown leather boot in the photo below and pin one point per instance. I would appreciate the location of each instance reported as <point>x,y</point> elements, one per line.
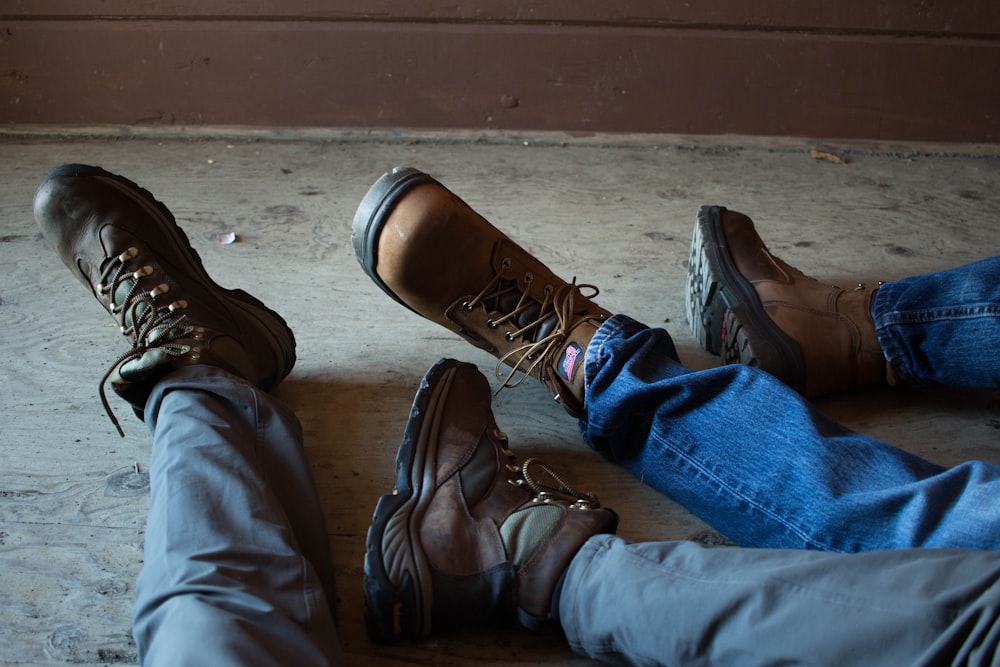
<point>467,536</point>
<point>126,248</point>
<point>428,250</point>
<point>752,308</point>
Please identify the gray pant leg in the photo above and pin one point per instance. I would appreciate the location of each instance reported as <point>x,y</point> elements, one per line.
<point>678,603</point>
<point>237,565</point>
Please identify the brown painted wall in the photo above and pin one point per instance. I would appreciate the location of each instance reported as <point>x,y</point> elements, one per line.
<point>890,69</point>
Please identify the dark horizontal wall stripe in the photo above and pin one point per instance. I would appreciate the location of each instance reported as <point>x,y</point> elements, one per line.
<point>885,16</point>
<point>523,74</point>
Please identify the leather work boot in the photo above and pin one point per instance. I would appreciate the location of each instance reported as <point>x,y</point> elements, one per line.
<point>126,248</point>
<point>428,250</point>
<point>468,537</point>
<point>752,308</point>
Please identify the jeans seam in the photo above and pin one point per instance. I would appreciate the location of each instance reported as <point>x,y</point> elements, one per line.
<point>723,485</point>
<point>924,316</point>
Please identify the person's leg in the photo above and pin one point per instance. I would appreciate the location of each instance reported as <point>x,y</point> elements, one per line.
<point>468,536</point>
<point>732,444</point>
<point>752,308</point>
<point>237,567</point>
<point>678,603</point>
<point>941,329</point>
<point>759,463</point>
<point>431,252</point>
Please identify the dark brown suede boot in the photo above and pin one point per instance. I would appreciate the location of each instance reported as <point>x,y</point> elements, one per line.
<point>752,308</point>
<point>468,537</point>
<point>432,253</point>
<point>126,248</point>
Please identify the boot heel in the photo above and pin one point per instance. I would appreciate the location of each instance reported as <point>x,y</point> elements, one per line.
<point>705,300</point>
<point>399,591</point>
<point>726,315</point>
<point>392,611</point>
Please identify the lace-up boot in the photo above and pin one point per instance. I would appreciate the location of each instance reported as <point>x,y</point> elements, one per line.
<point>432,253</point>
<point>126,248</point>
<point>468,536</point>
<point>752,308</point>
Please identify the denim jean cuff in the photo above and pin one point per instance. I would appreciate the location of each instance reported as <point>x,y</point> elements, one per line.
<point>618,326</point>
<point>897,364</point>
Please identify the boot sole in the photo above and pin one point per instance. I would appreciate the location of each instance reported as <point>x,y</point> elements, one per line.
<point>724,313</point>
<point>376,206</point>
<point>250,309</point>
<point>398,589</point>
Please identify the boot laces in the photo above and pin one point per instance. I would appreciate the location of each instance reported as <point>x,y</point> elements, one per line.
<point>146,324</point>
<point>555,487</point>
<point>560,303</point>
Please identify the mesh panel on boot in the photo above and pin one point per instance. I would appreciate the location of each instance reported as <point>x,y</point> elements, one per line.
<point>525,531</point>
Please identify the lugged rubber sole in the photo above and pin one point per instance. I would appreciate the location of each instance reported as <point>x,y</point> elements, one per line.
<point>723,310</point>
<point>398,589</point>
<point>372,213</point>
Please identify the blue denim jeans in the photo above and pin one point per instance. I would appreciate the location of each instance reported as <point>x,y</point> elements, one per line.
<point>943,329</point>
<point>760,464</point>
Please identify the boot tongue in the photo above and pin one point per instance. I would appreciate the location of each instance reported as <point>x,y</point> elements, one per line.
<point>567,381</point>
<point>121,298</point>
<point>134,379</point>
<point>525,531</point>
<point>568,363</point>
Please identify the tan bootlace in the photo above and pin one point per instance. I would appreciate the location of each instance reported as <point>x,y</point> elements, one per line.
<point>559,302</point>
<point>544,492</point>
<point>152,326</point>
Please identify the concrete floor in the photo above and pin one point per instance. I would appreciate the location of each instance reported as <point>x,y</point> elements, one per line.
<point>613,211</point>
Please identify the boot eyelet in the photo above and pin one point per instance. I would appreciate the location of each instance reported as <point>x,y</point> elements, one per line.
<point>162,288</point>
<point>509,336</point>
<point>528,277</point>
<point>506,263</point>
<point>491,324</point>
<point>466,306</point>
